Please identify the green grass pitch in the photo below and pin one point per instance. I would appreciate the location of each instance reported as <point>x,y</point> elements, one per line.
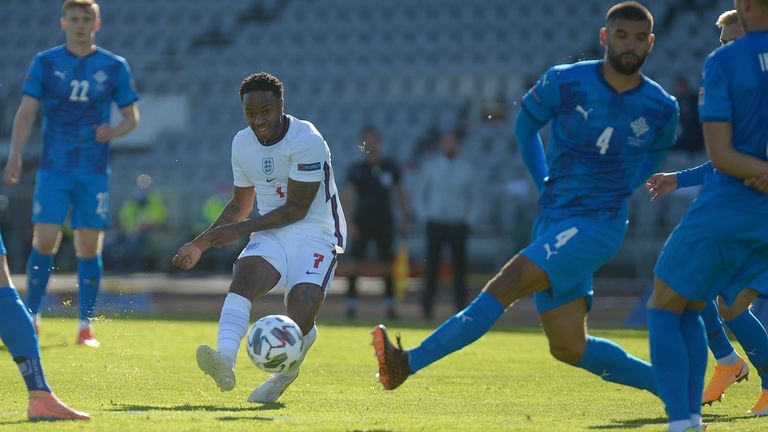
<point>144,378</point>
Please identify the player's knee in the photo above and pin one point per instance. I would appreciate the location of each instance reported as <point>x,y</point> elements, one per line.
<point>566,353</point>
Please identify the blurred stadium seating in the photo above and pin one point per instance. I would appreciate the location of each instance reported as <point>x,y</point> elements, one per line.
<point>412,68</point>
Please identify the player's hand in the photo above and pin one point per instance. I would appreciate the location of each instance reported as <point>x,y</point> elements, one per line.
<point>661,184</point>
<point>104,133</point>
<point>222,235</point>
<point>759,183</point>
<point>187,256</point>
<point>12,172</point>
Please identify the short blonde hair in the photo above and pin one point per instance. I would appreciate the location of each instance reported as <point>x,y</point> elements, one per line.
<point>727,18</point>
<point>89,6</point>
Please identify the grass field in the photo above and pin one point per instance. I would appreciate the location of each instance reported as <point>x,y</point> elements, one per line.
<point>144,378</point>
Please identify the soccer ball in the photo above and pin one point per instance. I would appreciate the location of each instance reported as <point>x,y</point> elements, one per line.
<point>275,343</point>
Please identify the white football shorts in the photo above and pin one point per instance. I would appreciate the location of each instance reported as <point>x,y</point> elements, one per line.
<point>298,258</point>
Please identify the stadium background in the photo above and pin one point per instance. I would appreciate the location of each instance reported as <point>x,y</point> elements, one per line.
<point>411,68</point>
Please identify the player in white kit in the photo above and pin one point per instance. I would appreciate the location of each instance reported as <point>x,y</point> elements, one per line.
<point>286,163</point>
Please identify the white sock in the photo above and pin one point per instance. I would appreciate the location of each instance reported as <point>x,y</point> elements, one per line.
<point>679,425</point>
<point>309,339</point>
<point>233,325</point>
<point>84,324</point>
<point>729,360</point>
<point>695,420</point>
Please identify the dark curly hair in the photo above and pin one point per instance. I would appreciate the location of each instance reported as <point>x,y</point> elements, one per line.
<point>261,81</point>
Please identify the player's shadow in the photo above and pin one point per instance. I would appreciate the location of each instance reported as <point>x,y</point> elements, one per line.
<point>188,407</point>
<point>640,422</point>
<point>631,423</point>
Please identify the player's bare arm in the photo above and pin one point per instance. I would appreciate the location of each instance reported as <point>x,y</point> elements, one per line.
<point>130,114</point>
<point>237,209</point>
<point>298,201</point>
<point>718,139</point>
<point>22,128</point>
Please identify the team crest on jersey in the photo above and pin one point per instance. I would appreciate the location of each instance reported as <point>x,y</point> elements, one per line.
<point>100,76</point>
<point>639,127</point>
<point>268,165</point>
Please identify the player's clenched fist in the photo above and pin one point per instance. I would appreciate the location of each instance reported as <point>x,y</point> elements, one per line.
<point>187,256</point>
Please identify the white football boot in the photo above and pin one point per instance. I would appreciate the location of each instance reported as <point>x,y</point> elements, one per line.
<point>214,363</point>
<point>277,383</point>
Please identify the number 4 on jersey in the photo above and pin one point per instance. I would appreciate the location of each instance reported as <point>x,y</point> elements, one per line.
<point>604,140</point>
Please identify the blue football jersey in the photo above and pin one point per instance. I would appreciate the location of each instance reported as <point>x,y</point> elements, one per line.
<point>599,138</point>
<point>734,89</point>
<point>76,95</point>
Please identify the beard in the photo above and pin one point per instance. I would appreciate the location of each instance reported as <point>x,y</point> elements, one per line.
<point>622,68</point>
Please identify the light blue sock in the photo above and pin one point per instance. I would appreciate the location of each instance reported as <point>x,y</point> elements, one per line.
<point>89,279</point>
<point>611,363</point>
<point>39,268</point>
<point>753,338</point>
<point>669,358</point>
<point>695,338</point>
<point>18,334</point>
<point>459,331</point>
<point>718,341</point>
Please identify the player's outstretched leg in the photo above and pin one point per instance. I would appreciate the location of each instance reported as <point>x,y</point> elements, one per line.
<point>394,365</point>
<point>18,334</point>
<point>216,365</point>
<point>276,384</point>
<point>233,325</point>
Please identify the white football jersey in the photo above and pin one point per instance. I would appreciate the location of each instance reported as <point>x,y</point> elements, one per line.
<point>302,155</point>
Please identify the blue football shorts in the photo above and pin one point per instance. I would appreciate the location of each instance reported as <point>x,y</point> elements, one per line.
<point>86,194</point>
<point>570,251</point>
<point>715,250</point>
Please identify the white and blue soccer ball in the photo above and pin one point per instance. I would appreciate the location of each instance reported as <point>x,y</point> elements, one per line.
<point>275,343</point>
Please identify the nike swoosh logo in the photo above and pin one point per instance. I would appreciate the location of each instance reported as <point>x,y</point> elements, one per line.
<point>309,272</point>
<point>270,180</point>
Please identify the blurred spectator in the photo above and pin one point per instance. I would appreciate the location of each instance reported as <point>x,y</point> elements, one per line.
<point>445,200</point>
<point>690,136</point>
<point>140,216</point>
<point>223,257</point>
<point>367,201</point>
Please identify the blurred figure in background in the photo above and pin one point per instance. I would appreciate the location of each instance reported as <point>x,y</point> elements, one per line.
<point>140,216</point>
<point>689,137</point>
<point>445,200</point>
<point>368,198</point>
<point>74,86</point>
<point>216,258</point>
<point>18,334</point>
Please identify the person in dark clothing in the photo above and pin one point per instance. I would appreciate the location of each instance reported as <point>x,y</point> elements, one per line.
<point>367,198</point>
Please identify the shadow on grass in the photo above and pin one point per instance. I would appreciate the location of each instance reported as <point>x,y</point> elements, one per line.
<point>640,422</point>
<point>14,422</point>
<point>188,407</point>
<point>631,423</point>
